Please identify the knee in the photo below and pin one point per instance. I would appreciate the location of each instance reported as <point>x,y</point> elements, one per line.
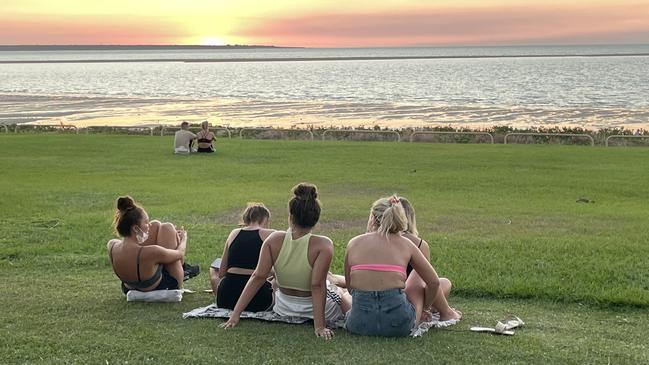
<point>214,274</point>
<point>446,285</point>
<point>167,227</point>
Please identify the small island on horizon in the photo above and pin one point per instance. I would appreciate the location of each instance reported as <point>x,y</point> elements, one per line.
<point>125,47</point>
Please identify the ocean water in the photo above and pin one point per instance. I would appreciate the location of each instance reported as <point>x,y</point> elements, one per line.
<point>590,86</point>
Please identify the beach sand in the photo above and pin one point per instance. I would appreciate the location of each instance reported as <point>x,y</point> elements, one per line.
<point>83,111</point>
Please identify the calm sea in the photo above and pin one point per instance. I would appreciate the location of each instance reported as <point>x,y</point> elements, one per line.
<point>592,86</point>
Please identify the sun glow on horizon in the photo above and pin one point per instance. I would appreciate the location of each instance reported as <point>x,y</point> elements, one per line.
<point>324,23</point>
<point>212,41</point>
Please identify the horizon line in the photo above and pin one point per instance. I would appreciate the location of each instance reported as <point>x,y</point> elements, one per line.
<point>189,46</point>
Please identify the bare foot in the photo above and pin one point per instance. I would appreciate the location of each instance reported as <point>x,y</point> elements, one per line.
<point>452,314</point>
<point>426,316</point>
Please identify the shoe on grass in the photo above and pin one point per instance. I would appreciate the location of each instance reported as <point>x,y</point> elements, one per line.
<point>190,271</point>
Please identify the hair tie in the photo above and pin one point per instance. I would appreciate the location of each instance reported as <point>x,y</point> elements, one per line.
<point>394,200</point>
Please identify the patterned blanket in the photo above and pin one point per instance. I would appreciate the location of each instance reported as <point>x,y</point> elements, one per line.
<point>212,311</point>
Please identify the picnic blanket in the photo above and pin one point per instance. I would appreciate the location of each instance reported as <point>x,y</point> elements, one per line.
<point>212,311</point>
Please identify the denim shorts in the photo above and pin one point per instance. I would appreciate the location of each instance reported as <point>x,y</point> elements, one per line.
<point>385,313</point>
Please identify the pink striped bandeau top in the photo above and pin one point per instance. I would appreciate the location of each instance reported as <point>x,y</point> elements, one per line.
<point>381,267</point>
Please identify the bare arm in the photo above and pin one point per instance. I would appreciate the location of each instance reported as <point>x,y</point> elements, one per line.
<point>425,249</point>
<point>255,282</point>
<point>348,271</point>
<point>426,272</point>
<point>182,241</point>
<point>223,269</point>
<point>319,289</point>
<point>166,256</point>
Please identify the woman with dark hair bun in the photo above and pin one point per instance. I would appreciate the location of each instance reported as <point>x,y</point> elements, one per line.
<point>150,255</point>
<point>301,262</point>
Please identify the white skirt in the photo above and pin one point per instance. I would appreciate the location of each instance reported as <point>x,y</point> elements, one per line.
<point>291,306</point>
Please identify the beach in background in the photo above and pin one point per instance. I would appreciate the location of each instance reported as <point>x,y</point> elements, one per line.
<point>585,86</point>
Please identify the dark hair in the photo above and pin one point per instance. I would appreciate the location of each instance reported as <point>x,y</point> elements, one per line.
<point>304,207</point>
<point>128,214</point>
<point>255,212</point>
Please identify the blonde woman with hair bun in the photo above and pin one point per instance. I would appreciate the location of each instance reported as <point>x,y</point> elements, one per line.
<point>375,274</point>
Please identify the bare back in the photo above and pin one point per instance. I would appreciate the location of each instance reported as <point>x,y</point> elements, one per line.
<point>376,249</point>
<point>317,245</point>
<point>124,258</point>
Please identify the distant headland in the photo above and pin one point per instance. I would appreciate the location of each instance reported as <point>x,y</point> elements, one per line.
<point>118,47</point>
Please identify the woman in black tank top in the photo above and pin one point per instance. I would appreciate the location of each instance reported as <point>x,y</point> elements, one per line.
<point>240,256</point>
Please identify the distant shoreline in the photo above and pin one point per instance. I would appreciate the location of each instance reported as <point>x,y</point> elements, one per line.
<point>117,47</point>
<point>297,59</point>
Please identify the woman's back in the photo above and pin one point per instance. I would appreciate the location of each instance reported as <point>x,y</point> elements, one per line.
<point>244,250</point>
<point>378,262</point>
<point>293,262</point>
<point>132,263</point>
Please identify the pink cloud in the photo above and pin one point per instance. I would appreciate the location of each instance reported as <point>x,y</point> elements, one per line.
<point>451,26</point>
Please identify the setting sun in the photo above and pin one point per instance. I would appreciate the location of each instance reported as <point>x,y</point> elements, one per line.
<point>213,41</point>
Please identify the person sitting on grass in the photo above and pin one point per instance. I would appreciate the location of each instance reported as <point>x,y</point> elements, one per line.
<point>150,255</point>
<point>183,139</point>
<point>415,286</point>
<point>205,138</point>
<point>240,257</point>
<point>301,262</point>
<point>375,271</point>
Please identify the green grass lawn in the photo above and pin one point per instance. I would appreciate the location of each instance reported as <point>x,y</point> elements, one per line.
<point>502,221</point>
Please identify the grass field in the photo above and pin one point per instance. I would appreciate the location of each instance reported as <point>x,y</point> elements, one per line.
<point>502,221</point>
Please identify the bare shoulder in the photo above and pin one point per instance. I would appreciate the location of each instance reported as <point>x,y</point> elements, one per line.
<point>112,242</point>
<point>275,237</point>
<point>411,237</point>
<point>418,241</point>
<point>232,235</point>
<point>321,240</point>
<point>264,233</point>
<point>406,242</point>
<point>356,240</point>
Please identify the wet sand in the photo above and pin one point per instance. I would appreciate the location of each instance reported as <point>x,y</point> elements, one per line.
<point>83,111</point>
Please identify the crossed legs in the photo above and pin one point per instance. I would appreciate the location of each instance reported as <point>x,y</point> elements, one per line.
<point>416,292</point>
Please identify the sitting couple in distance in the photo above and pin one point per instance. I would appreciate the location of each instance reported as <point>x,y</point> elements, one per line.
<point>184,139</point>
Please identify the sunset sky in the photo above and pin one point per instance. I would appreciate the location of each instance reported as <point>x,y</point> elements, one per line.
<point>324,23</point>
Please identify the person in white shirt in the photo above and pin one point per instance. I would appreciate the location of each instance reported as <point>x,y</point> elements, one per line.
<point>183,139</point>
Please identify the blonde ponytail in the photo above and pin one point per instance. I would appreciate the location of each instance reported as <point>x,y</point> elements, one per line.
<point>389,216</point>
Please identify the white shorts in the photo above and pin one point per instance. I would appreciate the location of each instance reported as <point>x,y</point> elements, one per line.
<point>182,150</point>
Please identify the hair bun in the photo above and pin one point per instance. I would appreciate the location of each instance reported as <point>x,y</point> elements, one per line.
<point>306,191</point>
<point>125,203</point>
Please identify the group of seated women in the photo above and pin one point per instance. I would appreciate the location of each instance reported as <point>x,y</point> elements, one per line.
<point>388,287</point>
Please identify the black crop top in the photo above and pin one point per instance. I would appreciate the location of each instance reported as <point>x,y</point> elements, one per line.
<point>409,268</point>
<point>244,250</point>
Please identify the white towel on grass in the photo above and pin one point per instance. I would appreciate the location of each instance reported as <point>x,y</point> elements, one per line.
<point>156,296</point>
<point>212,311</point>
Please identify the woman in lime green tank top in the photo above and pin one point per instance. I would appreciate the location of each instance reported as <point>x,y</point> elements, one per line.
<point>301,262</point>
